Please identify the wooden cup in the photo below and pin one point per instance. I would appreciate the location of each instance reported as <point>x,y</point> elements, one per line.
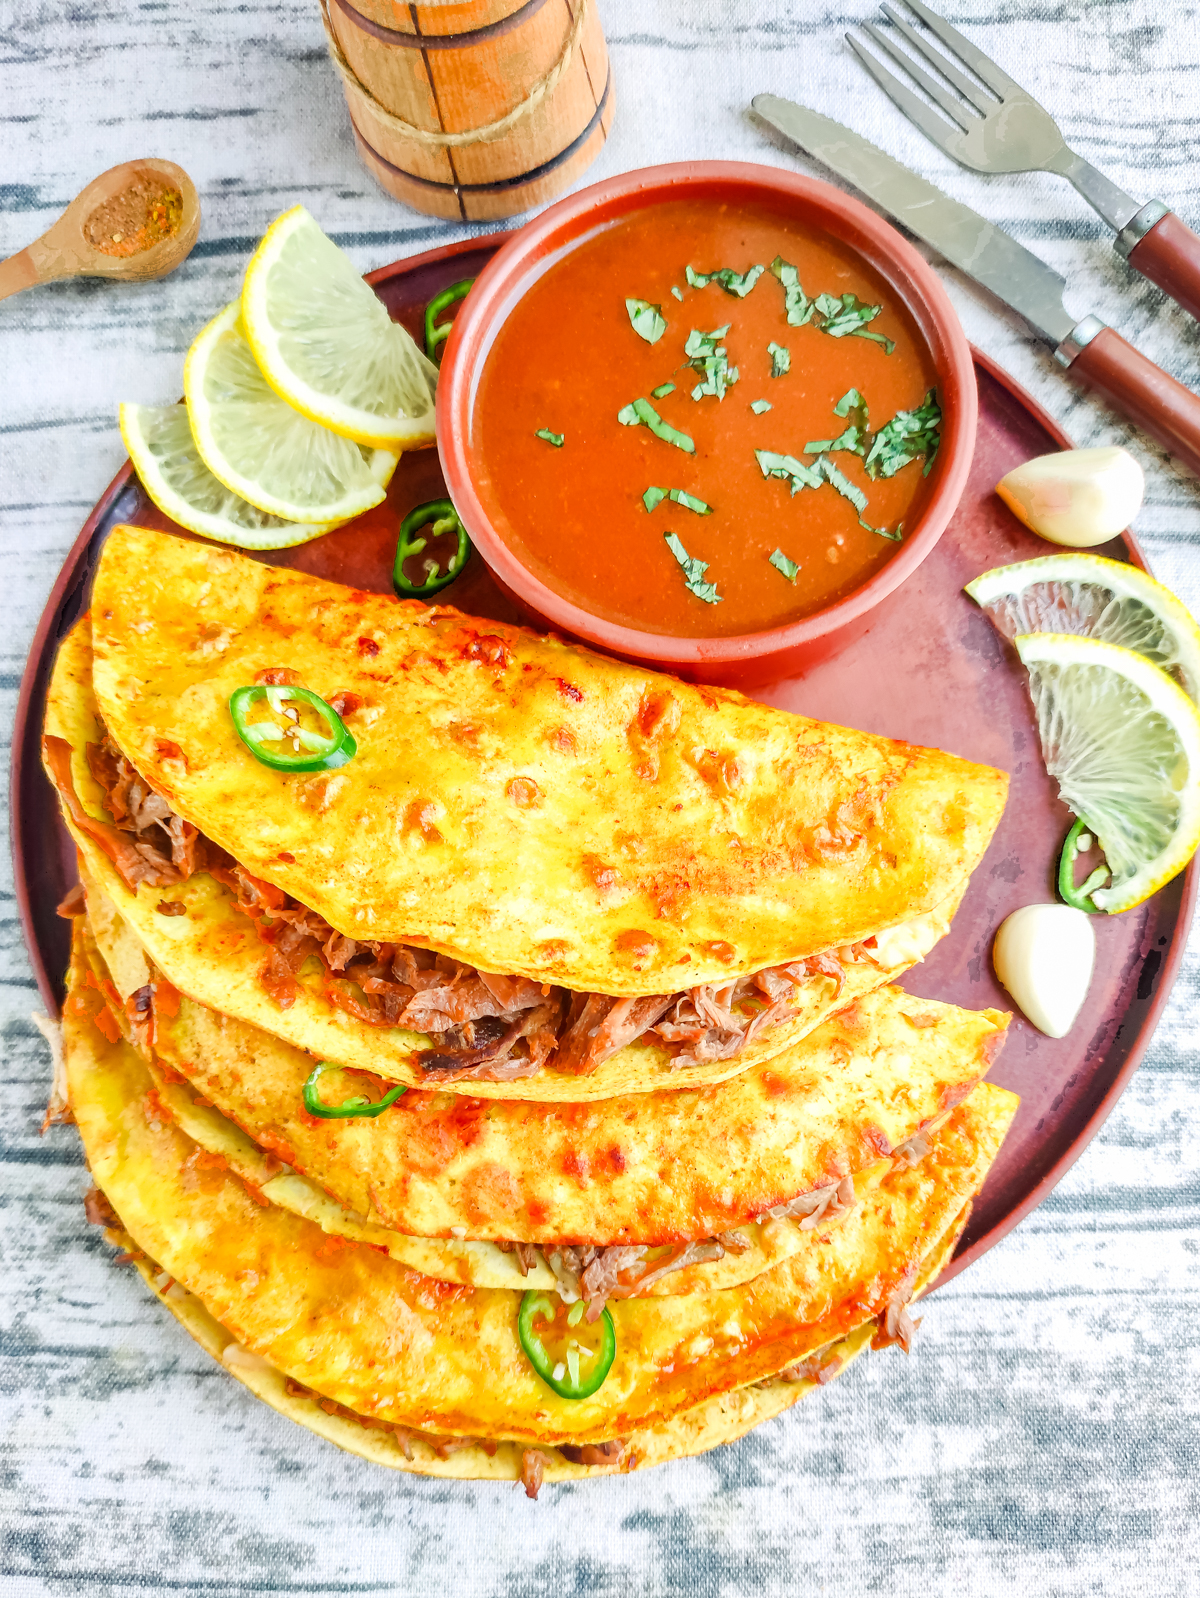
<point>473,109</point>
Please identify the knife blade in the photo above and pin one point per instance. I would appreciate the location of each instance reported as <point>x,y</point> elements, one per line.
<point>1091,350</point>
<point>966,239</point>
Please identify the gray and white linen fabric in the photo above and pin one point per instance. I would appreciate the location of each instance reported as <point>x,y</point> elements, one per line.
<point>1043,1435</point>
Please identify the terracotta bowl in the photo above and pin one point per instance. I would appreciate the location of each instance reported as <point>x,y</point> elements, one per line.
<point>747,658</point>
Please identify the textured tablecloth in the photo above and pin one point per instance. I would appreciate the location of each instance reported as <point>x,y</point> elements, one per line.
<point>1043,1436</point>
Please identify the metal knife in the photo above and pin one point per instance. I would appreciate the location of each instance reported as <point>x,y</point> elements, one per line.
<point>1090,350</point>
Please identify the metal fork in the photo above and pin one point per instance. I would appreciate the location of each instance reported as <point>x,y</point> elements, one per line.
<point>1006,130</point>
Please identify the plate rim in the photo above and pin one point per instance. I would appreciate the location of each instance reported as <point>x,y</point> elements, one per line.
<point>37,665</point>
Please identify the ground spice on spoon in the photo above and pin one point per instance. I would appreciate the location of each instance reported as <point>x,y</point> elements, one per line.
<point>144,214</point>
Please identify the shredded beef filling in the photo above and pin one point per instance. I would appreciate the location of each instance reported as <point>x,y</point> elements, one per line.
<point>171,847</point>
<point>593,1453</point>
<point>821,1368</point>
<point>818,1207</point>
<point>913,1150</point>
<point>896,1325</point>
<point>533,1465</point>
<point>484,1027</point>
<point>623,1271</point>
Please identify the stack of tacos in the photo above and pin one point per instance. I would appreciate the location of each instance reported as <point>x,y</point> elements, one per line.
<point>489,1051</point>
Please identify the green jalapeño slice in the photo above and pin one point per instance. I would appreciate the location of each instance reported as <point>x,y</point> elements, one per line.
<point>569,1353</point>
<point>290,729</point>
<point>444,519</point>
<point>436,334</point>
<point>348,1108</point>
<point>1079,897</point>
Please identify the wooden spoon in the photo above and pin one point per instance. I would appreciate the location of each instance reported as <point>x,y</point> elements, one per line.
<point>67,249</point>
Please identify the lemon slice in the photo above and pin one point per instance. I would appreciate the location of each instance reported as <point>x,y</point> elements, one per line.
<point>264,450</point>
<point>1096,598</point>
<point>326,343</point>
<point>165,457</point>
<point>1123,741</point>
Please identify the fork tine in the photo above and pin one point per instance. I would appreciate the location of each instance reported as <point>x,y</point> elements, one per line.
<point>969,90</point>
<point>950,103</point>
<point>965,50</point>
<point>914,109</point>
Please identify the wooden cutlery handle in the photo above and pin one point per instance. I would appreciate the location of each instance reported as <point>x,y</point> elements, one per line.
<point>1143,392</point>
<point>1169,255</point>
<point>19,272</point>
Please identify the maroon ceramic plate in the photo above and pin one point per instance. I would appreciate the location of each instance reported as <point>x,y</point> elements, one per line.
<point>931,669</point>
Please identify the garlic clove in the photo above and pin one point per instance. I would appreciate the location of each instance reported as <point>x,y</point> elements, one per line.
<point>1079,497</point>
<point>1044,955</point>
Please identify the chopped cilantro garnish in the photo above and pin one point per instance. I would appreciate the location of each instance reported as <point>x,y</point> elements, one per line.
<point>851,439</point>
<point>796,302</point>
<point>788,467</point>
<point>855,437</point>
<point>896,534</point>
<point>849,315</point>
<point>843,484</point>
<point>707,355</point>
<point>653,497</point>
<point>781,563</point>
<point>760,407</point>
<point>851,403</point>
<point>662,390</point>
<point>739,283</point>
<point>833,315</point>
<point>647,320</point>
<point>907,435</point>
<point>781,359</point>
<point>551,438</point>
<point>678,293</point>
<point>699,343</point>
<point>642,411</point>
<point>801,476</point>
<point>693,572</point>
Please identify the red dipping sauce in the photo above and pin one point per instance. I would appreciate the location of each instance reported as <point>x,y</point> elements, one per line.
<point>567,360</point>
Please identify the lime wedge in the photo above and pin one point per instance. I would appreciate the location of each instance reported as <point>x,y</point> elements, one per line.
<point>165,457</point>
<point>326,343</point>
<point>1123,741</point>
<point>1096,598</point>
<point>263,449</point>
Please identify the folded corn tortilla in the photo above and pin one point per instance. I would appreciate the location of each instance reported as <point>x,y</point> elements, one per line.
<point>391,1345</point>
<point>715,1422</point>
<point>495,766</point>
<point>660,1168</point>
<point>198,933</point>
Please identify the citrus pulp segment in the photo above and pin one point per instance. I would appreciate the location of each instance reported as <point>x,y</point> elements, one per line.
<point>1096,598</point>
<point>1123,741</point>
<point>164,455</point>
<point>263,449</point>
<point>327,345</point>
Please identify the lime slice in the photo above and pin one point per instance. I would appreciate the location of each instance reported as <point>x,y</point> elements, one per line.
<point>264,450</point>
<point>1123,741</point>
<point>1096,598</point>
<point>326,343</point>
<point>165,457</point>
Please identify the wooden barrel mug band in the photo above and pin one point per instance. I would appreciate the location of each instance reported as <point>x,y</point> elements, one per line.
<point>531,176</point>
<point>490,130</point>
<point>441,41</point>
